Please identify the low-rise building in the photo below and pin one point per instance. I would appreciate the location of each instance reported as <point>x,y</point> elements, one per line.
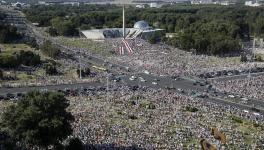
<point>141,29</point>
<point>253,3</point>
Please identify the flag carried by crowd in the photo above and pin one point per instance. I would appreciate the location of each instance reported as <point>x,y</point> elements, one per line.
<point>125,45</point>
<point>121,50</point>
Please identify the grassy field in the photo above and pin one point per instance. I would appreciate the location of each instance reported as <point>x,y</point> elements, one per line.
<point>95,47</point>
<point>9,49</point>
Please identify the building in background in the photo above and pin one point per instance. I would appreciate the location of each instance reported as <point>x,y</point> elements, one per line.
<point>253,3</point>
<point>141,29</point>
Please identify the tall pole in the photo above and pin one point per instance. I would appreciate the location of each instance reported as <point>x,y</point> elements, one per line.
<point>80,65</point>
<point>253,49</point>
<point>253,57</point>
<point>124,22</point>
<point>107,87</point>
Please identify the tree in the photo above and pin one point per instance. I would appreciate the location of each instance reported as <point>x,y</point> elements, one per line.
<point>259,58</point>
<point>186,41</point>
<point>154,38</point>
<point>51,69</point>
<point>243,58</point>
<point>50,50</point>
<point>52,31</point>
<point>1,74</point>
<point>75,144</point>
<point>32,42</point>
<point>84,72</point>
<point>8,34</point>
<point>28,58</point>
<point>38,120</point>
<point>62,27</point>
<point>8,61</point>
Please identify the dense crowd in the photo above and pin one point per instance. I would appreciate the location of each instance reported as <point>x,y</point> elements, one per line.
<point>251,87</point>
<point>163,59</point>
<point>159,59</point>
<point>158,119</point>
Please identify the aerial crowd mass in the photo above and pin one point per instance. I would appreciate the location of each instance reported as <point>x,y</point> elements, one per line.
<point>133,94</point>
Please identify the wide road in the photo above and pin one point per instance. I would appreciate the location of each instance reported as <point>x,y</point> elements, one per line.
<point>162,82</point>
<point>4,91</point>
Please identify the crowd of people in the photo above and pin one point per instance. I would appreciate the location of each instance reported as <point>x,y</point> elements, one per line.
<point>158,119</point>
<point>251,87</point>
<point>163,59</point>
<point>159,59</point>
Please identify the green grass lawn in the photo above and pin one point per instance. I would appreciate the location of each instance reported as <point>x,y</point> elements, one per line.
<point>92,46</point>
<point>9,49</point>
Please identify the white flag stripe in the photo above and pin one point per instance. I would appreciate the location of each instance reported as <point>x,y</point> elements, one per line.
<point>123,52</point>
<point>127,46</point>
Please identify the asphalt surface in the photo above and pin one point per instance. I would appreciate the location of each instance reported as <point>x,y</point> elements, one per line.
<point>162,82</point>
<point>234,77</point>
<point>4,91</point>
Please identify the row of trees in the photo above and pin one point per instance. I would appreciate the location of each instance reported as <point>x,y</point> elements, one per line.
<point>213,30</point>
<point>171,18</point>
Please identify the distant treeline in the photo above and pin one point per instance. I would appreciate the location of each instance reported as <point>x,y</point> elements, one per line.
<point>208,29</point>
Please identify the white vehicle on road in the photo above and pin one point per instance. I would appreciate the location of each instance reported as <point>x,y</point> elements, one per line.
<point>231,96</point>
<point>246,111</point>
<point>154,83</point>
<point>146,72</point>
<point>244,99</point>
<point>256,114</point>
<point>142,79</point>
<point>132,78</point>
<point>180,90</point>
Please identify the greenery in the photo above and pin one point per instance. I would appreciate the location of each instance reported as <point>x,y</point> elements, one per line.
<point>243,58</point>
<point>155,38</point>
<point>51,69</point>
<point>75,144</point>
<point>38,120</point>
<point>1,74</point>
<point>62,27</point>
<point>237,119</point>
<point>147,105</point>
<point>84,72</point>
<point>204,29</point>
<point>28,58</point>
<point>49,49</point>
<point>8,34</point>
<point>32,42</point>
<point>191,109</point>
<point>259,58</point>
<point>16,59</point>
